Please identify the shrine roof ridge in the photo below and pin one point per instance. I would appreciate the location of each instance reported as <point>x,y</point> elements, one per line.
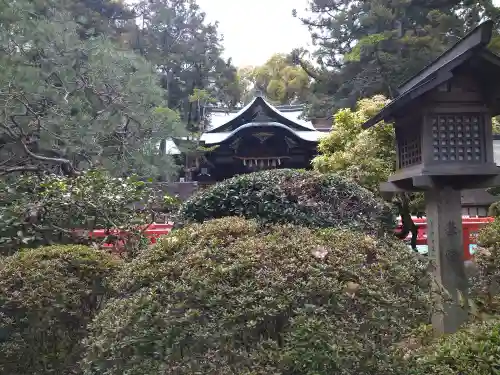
<point>438,71</point>
<point>281,107</point>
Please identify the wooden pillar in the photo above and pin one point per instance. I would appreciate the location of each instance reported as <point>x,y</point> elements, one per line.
<point>445,243</point>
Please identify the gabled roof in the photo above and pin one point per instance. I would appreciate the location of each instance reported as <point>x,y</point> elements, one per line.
<point>219,117</point>
<point>218,137</point>
<point>439,71</point>
<point>285,118</point>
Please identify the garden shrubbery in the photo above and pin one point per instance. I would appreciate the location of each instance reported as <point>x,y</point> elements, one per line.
<point>232,297</point>
<point>474,350</point>
<point>303,198</point>
<point>50,209</point>
<point>485,283</point>
<point>47,298</point>
<point>286,275</point>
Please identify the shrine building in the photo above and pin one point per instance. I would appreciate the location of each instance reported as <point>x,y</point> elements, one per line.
<point>257,137</point>
<point>261,136</point>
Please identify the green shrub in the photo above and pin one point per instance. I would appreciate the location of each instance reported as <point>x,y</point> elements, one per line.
<point>486,280</point>
<point>304,198</point>
<point>39,211</point>
<point>474,350</point>
<point>47,298</point>
<point>231,297</point>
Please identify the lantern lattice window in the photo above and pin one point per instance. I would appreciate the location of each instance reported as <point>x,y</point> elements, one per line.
<point>409,148</point>
<point>458,137</point>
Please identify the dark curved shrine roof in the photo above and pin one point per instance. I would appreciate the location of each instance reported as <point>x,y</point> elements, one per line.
<point>228,126</point>
<point>214,138</point>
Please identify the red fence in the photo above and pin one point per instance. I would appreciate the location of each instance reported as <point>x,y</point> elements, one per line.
<point>470,227</point>
<point>153,231</point>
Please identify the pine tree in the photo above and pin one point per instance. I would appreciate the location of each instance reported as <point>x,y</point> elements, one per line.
<point>70,103</point>
<point>367,48</point>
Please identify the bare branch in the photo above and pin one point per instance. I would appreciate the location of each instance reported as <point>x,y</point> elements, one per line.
<point>304,66</point>
<point>6,171</point>
<point>9,131</point>
<point>45,159</point>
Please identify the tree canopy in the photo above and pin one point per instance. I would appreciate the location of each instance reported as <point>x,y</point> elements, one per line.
<point>278,78</point>
<point>367,156</point>
<point>85,84</point>
<point>70,103</point>
<point>365,48</point>
<point>175,37</point>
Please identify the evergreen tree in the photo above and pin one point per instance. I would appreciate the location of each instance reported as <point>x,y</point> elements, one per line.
<point>93,17</point>
<point>370,47</point>
<point>70,103</point>
<point>175,37</point>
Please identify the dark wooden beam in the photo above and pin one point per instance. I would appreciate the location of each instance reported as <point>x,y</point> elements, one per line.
<point>423,182</point>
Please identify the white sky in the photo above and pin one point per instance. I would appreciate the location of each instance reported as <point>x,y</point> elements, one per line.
<point>255,30</point>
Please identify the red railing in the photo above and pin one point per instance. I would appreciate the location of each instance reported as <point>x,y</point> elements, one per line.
<point>153,231</point>
<point>470,227</point>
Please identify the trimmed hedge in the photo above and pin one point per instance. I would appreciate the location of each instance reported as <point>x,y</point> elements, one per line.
<point>474,350</point>
<point>231,297</point>
<point>305,198</point>
<point>47,298</point>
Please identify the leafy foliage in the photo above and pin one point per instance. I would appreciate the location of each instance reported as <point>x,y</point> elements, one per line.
<point>47,298</point>
<point>55,209</point>
<point>228,296</point>
<point>473,350</point>
<point>187,50</point>
<point>486,280</point>
<point>71,103</point>
<point>366,156</point>
<point>495,122</point>
<point>278,78</point>
<point>93,17</point>
<point>291,196</point>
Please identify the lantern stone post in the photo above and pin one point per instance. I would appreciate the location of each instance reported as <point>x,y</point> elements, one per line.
<point>444,143</point>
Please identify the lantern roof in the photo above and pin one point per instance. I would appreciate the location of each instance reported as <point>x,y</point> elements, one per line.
<point>442,69</point>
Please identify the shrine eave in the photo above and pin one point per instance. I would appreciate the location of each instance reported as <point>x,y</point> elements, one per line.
<point>440,71</point>
<point>299,125</point>
<point>214,138</point>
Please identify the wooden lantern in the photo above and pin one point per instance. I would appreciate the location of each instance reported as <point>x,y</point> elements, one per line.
<point>442,119</point>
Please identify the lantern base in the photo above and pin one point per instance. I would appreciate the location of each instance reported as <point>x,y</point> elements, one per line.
<point>445,241</point>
